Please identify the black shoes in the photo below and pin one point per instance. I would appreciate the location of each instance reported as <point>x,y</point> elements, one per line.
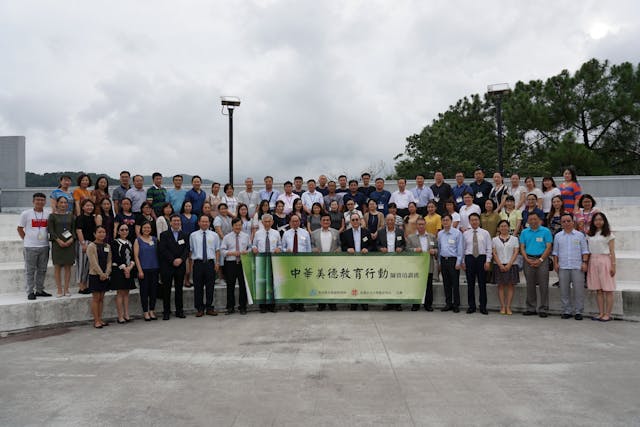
<point>415,307</point>
<point>529,313</point>
<point>230,312</point>
<point>428,308</point>
<point>471,310</point>
<point>31,296</point>
<point>181,315</point>
<point>42,294</point>
<point>447,308</point>
<point>484,311</point>
<point>165,316</point>
<point>243,311</point>
<point>566,316</point>
<point>578,316</point>
<point>353,307</point>
<point>543,314</point>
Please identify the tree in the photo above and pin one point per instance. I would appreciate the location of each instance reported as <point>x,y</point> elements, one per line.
<point>590,119</point>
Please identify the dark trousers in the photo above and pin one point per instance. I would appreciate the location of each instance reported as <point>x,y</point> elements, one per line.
<point>450,281</point>
<point>233,273</point>
<point>176,275</point>
<point>428,296</point>
<point>475,270</point>
<point>149,290</point>
<point>204,277</point>
<point>403,212</point>
<point>422,210</point>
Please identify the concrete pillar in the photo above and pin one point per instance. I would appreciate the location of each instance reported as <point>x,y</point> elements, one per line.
<point>12,161</point>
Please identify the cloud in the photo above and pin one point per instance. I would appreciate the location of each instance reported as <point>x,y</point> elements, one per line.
<point>325,86</point>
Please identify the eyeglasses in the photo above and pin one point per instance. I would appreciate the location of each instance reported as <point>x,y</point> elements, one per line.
<point>355,219</point>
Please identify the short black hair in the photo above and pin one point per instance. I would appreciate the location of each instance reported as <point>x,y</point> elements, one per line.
<point>125,173</point>
<point>39,195</point>
<point>176,176</point>
<point>365,174</point>
<point>155,175</point>
<point>194,177</point>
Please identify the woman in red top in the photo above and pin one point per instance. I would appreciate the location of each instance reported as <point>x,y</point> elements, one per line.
<point>570,190</point>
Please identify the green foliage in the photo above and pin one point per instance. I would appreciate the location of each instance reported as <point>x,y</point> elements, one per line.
<point>589,119</point>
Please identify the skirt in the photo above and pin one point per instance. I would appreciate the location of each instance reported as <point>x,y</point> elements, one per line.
<point>510,277</point>
<point>599,273</point>
<point>97,285</point>
<point>62,256</point>
<point>118,281</point>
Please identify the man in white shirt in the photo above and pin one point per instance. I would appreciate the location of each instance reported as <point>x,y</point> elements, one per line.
<point>205,250</point>
<point>32,229</point>
<point>401,198</point>
<point>311,196</point>
<point>325,239</point>
<point>249,197</point>
<point>288,197</point>
<point>266,241</point>
<point>426,243</point>
<point>296,240</point>
<point>477,260</point>
<point>234,245</point>
<point>390,239</point>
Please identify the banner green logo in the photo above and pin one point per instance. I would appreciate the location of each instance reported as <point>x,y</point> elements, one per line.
<point>336,278</point>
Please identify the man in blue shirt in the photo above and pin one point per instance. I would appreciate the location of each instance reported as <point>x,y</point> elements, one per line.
<point>269,193</point>
<point>459,189</point>
<point>176,195</point>
<point>570,258</point>
<point>196,196</point>
<point>422,194</point>
<point>381,196</point>
<point>535,247</point>
<point>451,247</point>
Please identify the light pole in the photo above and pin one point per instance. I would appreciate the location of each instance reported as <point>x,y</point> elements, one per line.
<point>497,91</point>
<point>230,103</point>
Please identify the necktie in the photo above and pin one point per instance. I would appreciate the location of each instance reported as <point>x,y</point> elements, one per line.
<point>237,247</point>
<point>295,241</point>
<point>204,246</point>
<point>267,243</point>
<point>476,251</point>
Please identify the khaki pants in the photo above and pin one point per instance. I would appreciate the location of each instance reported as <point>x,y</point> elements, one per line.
<point>537,276</point>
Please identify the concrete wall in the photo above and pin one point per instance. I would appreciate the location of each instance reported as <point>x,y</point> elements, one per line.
<point>11,199</point>
<point>12,161</point>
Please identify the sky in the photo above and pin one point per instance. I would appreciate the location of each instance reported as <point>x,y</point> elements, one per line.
<point>326,86</point>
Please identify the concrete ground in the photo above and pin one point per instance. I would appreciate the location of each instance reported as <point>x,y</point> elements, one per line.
<point>330,368</point>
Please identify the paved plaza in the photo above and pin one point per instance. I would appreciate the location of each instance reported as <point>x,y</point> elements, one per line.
<point>331,368</point>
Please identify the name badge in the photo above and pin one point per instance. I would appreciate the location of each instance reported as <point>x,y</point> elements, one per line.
<point>181,242</point>
<point>539,239</point>
<point>381,206</point>
<point>459,200</point>
<point>42,235</point>
<point>479,195</point>
<point>364,239</point>
<point>66,234</point>
<point>576,242</point>
<point>151,243</point>
<point>303,238</point>
<point>452,241</point>
<point>436,199</point>
<point>106,249</point>
<point>399,238</point>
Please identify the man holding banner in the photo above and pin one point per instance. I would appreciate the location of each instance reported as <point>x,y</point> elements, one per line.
<point>296,240</point>
<point>325,239</point>
<point>390,240</point>
<point>267,241</point>
<point>424,242</point>
<point>357,240</point>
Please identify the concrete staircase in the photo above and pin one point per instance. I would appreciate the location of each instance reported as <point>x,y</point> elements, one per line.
<point>17,313</point>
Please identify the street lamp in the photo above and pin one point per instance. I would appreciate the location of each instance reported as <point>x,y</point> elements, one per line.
<point>230,103</point>
<point>497,91</point>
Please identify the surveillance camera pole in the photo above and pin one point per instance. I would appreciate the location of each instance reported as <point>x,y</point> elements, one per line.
<point>500,136</point>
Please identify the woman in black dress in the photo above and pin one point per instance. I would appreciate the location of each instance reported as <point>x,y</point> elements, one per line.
<point>85,230</point>
<point>99,255</point>
<point>123,272</point>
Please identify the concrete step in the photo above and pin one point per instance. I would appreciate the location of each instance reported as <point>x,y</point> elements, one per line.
<point>19,314</point>
<point>11,251</point>
<point>627,238</point>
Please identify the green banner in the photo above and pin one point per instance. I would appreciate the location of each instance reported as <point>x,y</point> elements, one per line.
<point>336,278</point>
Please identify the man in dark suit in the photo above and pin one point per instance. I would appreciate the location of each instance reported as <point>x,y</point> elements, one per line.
<point>390,239</point>
<point>173,250</point>
<point>357,239</point>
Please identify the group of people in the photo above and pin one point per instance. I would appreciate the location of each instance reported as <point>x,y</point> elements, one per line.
<point>175,238</point>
